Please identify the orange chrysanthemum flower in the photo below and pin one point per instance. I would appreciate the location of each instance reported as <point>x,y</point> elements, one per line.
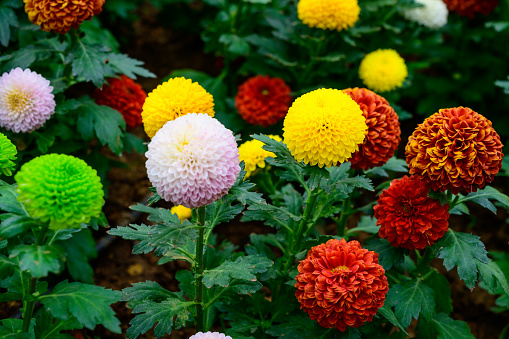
<point>262,100</point>
<point>408,217</point>
<point>60,16</point>
<point>384,133</point>
<point>455,149</point>
<point>470,7</point>
<point>341,284</point>
<point>124,95</point>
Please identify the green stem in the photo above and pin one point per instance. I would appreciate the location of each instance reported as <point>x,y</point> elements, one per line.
<point>198,284</point>
<point>343,218</point>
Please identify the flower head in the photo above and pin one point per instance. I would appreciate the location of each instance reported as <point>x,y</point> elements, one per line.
<point>7,154</point>
<point>193,160</point>
<point>383,134</point>
<point>329,14</point>
<point>60,16</point>
<point>455,149</point>
<point>26,101</point>
<point>341,284</point>
<point>172,99</point>
<point>408,217</point>
<point>324,127</point>
<point>254,155</point>
<point>470,7</point>
<point>432,14</point>
<point>383,70</point>
<point>60,189</point>
<point>182,212</point>
<point>124,95</point>
<point>209,335</point>
<point>262,100</point>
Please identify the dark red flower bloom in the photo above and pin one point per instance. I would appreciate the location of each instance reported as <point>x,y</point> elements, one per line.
<point>470,7</point>
<point>124,95</point>
<point>455,149</point>
<point>408,217</point>
<point>341,284</point>
<point>384,133</point>
<point>262,100</point>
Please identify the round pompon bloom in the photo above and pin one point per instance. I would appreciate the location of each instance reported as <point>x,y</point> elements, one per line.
<point>254,155</point>
<point>193,160</point>
<point>60,189</point>
<point>172,99</point>
<point>408,217</point>
<point>182,212</point>
<point>125,96</point>
<point>209,335</point>
<point>262,100</point>
<point>433,13</point>
<point>60,16</point>
<point>7,154</point>
<point>456,149</point>
<point>329,14</point>
<point>470,7</point>
<point>340,284</point>
<point>383,70</point>
<point>384,133</point>
<point>324,127</point>
<point>26,101</point>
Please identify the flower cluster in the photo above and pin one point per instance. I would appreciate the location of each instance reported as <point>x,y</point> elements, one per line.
<point>329,14</point>
<point>341,284</point>
<point>60,16</point>
<point>7,154</point>
<point>60,189</point>
<point>324,127</point>
<point>124,95</point>
<point>262,100</point>
<point>182,212</point>
<point>384,133</point>
<point>172,99</point>
<point>210,335</point>
<point>470,7</point>
<point>383,70</point>
<point>26,101</point>
<point>193,160</point>
<point>432,13</point>
<point>253,155</point>
<point>456,149</point>
<point>408,217</point>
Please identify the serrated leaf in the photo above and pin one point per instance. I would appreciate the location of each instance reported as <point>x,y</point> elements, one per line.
<point>48,327</point>
<point>440,286</point>
<point>386,312</point>
<point>8,200</point>
<point>12,329</point>
<point>130,67</point>
<point>449,328</point>
<point>241,189</point>
<point>243,268</point>
<point>366,224</point>
<point>393,164</point>
<point>388,255</point>
<point>148,290</point>
<point>482,197</point>
<point>222,211</point>
<point>273,216</point>
<point>13,224</point>
<point>88,303</point>
<point>460,249</point>
<point>235,44</point>
<point>38,260</point>
<point>340,180</point>
<point>411,299</point>
<point>492,276</point>
<point>80,249</point>
<point>88,62</point>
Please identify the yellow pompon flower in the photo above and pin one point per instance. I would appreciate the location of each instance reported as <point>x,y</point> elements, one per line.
<point>182,212</point>
<point>172,99</point>
<point>329,14</point>
<point>324,127</point>
<point>254,155</point>
<point>383,70</point>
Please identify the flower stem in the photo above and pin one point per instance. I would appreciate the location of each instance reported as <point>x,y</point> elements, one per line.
<point>198,284</point>
<point>345,213</point>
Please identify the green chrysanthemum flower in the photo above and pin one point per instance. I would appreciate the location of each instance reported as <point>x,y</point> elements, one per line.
<point>7,154</point>
<point>60,189</point>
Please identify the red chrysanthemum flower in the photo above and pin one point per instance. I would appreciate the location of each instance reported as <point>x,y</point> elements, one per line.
<point>60,16</point>
<point>124,95</point>
<point>470,7</point>
<point>262,100</point>
<point>384,133</point>
<point>455,149</point>
<point>408,217</point>
<point>341,284</point>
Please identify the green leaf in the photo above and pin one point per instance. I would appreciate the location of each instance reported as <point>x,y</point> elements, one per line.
<point>22,58</point>
<point>7,18</point>
<point>235,44</point>
<point>48,327</point>
<point>243,268</point>
<point>241,189</point>
<point>442,289</point>
<point>8,200</point>
<point>411,299</point>
<point>492,276</point>
<point>340,180</point>
<point>482,197</point>
<point>301,327</point>
<point>80,249</point>
<point>130,67</point>
<point>388,255</point>
<point>13,224</point>
<point>448,328</point>
<point>148,290</point>
<point>386,312</point>
<point>222,211</point>
<point>88,62</point>
<point>38,260</point>
<point>44,141</point>
<point>133,143</point>
<point>460,249</point>
<point>273,216</point>
<point>12,329</point>
<point>366,224</point>
<point>393,164</point>
<point>88,303</point>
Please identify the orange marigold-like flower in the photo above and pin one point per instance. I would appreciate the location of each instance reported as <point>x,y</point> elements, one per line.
<point>341,284</point>
<point>384,133</point>
<point>262,100</point>
<point>60,16</point>
<point>455,149</point>
<point>470,7</point>
<point>124,95</point>
<point>408,217</point>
